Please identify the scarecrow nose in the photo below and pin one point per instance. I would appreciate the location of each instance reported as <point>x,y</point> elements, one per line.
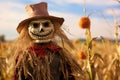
<point>41,29</point>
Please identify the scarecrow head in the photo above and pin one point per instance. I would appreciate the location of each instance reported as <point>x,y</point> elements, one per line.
<point>40,25</point>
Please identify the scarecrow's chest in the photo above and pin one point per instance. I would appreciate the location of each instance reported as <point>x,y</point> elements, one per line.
<point>49,64</point>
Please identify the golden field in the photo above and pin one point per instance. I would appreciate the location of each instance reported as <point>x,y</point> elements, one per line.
<point>104,60</point>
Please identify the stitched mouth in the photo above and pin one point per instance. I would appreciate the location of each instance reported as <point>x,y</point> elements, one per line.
<point>42,34</point>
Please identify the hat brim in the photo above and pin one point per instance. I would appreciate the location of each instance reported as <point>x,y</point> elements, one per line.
<point>25,22</point>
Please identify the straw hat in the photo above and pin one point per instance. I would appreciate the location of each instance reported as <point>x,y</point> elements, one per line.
<point>38,11</point>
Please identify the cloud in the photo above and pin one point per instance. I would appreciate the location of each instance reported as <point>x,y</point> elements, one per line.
<point>100,27</point>
<point>112,12</point>
<point>11,15</point>
<point>88,2</point>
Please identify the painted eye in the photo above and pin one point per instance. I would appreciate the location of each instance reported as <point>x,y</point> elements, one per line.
<point>46,24</point>
<point>35,25</point>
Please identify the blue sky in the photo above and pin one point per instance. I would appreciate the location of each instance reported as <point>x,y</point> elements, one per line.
<point>102,22</point>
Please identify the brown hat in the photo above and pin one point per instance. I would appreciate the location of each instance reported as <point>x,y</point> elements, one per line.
<point>38,11</point>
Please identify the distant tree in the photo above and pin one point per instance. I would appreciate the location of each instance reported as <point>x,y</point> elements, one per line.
<point>2,38</point>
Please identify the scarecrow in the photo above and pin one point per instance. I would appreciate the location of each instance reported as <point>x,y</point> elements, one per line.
<point>37,55</point>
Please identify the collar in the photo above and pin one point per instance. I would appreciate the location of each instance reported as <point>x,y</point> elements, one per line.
<point>41,49</point>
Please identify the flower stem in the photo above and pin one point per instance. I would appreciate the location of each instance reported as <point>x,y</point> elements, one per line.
<point>88,36</point>
<point>88,40</point>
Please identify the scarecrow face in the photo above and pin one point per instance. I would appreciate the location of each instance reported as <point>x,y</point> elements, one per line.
<point>41,30</point>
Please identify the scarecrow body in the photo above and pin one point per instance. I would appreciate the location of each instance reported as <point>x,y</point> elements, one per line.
<point>37,55</point>
<point>48,63</point>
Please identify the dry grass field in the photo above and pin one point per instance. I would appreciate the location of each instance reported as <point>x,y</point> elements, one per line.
<point>104,60</point>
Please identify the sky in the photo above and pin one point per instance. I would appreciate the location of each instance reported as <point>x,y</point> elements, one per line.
<point>104,15</point>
